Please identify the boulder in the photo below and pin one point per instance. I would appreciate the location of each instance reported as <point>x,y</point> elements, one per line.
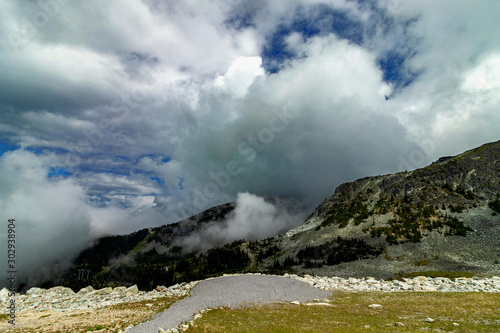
<point>61,291</point>
<point>132,290</point>
<point>35,291</point>
<point>161,288</point>
<point>103,291</point>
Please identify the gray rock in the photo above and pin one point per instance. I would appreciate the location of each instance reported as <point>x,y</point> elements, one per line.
<point>61,291</point>
<point>35,291</point>
<point>82,291</point>
<point>132,290</point>
<point>103,291</point>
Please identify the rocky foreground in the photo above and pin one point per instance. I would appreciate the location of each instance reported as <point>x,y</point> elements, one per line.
<point>63,299</point>
<point>420,283</point>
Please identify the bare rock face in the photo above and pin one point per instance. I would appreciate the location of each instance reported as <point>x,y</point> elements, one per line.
<point>451,185</point>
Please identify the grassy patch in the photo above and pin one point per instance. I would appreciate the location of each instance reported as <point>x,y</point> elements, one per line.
<point>3,317</point>
<point>95,328</point>
<point>476,312</point>
<point>421,263</point>
<point>140,315</point>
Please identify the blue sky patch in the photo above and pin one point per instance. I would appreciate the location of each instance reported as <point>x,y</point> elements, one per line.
<point>122,158</point>
<point>393,67</point>
<point>311,21</point>
<point>58,172</point>
<point>321,20</point>
<point>159,181</point>
<point>36,151</point>
<point>5,147</point>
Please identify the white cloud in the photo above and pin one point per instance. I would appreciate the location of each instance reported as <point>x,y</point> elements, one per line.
<point>334,69</point>
<point>336,96</point>
<point>453,95</point>
<point>485,76</point>
<point>240,75</point>
<point>295,42</point>
<point>253,218</point>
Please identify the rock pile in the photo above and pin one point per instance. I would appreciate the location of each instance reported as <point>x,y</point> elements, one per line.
<point>64,299</point>
<point>420,283</point>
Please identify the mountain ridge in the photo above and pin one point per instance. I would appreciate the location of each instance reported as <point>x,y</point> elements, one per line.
<point>452,197</point>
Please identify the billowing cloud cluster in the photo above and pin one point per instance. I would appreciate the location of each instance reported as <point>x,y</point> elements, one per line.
<point>116,116</point>
<point>253,218</point>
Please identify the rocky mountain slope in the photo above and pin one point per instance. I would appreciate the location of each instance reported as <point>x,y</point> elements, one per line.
<point>444,217</point>
<point>441,217</point>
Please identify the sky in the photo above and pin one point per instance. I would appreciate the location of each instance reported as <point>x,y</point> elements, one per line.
<point>120,115</point>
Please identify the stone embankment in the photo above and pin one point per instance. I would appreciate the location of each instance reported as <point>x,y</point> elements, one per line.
<point>65,300</point>
<point>420,283</point>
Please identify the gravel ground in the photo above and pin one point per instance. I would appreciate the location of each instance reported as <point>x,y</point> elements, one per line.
<point>235,290</point>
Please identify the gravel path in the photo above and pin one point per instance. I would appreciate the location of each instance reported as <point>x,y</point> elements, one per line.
<point>235,290</point>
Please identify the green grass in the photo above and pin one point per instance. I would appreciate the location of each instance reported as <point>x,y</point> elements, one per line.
<point>421,263</point>
<point>4,317</point>
<point>474,312</point>
<point>95,328</point>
